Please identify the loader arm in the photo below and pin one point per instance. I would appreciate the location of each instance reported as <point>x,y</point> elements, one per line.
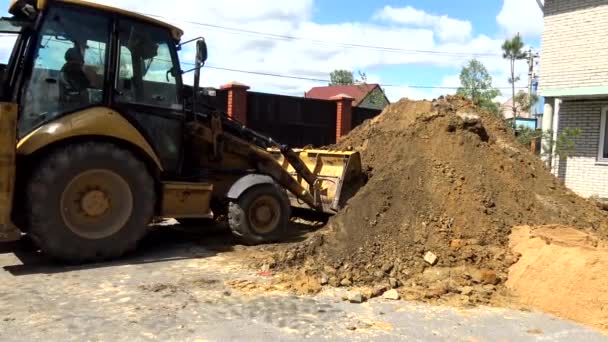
<point>250,145</point>
<point>268,165</point>
<point>265,142</point>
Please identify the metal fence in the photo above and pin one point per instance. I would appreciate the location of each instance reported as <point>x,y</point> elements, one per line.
<point>218,101</point>
<point>295,121</point>
<point>361,114</point>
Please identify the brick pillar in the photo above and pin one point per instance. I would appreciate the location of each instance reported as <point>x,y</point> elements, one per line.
<point>344,115</point>
<point>237,101</point>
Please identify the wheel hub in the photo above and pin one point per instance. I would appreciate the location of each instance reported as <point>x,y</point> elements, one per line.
<point>264,214</point>
<point>95,203</point>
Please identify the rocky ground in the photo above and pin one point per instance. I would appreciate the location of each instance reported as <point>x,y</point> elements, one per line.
<point>192,286</point>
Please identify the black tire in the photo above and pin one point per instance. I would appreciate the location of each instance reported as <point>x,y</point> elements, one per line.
<point>57,226</point>
<point>240,215</point>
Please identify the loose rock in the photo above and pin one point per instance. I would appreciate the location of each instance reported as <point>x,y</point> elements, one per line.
<point>484,277</point>
<point>379,290</point>
<point>356,298</point>
<point>346,282</point>
<point>391,295</point>
<point>430,258</point>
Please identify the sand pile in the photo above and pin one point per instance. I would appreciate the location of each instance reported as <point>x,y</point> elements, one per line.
<point>447,182</point>
<point>562,271</point>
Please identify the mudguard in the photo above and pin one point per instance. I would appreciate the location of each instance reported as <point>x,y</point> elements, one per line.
<point>245,183</point>
<point>97,121</point>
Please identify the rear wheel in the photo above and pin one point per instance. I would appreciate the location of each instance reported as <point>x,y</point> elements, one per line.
<point>260,215</point>
<point>89,202</point>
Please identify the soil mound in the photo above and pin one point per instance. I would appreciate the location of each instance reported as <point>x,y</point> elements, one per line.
<point>447,183</point>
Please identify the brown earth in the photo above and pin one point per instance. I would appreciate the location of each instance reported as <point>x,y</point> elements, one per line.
<point>445,178</point>
<point>562,271</point>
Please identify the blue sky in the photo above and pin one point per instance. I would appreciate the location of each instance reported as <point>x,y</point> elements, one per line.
<point>462,28</point>
<point>481,14</point>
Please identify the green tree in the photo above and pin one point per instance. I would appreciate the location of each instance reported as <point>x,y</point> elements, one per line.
<point>512,50</point>
<point>341,77</point>
<point>562,146</point>
<point>525,102</point>
<point>476,85</point>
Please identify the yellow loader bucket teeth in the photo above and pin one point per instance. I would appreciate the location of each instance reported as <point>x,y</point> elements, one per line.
<point>339,176</point>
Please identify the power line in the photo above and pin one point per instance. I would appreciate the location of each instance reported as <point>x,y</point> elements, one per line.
<point>328,81</point>
<point>268,74</point>
<point>346,45</point>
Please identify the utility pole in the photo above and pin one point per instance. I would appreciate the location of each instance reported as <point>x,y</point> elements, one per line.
<point>531,63</point>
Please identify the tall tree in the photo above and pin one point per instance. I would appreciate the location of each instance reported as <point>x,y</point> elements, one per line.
<point>341,77</point>
<point>513,50</point>
<point>476,84</point>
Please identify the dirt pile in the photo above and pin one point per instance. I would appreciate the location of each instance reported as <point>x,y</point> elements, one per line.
<point>447,182</point>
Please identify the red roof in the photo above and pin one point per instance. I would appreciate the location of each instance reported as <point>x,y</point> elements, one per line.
<point>359,92</point>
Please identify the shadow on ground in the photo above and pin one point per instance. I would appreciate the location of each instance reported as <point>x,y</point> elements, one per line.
<point>165,242</point>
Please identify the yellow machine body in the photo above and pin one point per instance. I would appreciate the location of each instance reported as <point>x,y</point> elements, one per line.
<point>8,129</point>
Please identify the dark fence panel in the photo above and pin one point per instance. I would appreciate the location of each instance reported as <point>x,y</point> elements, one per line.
<point>219,101</point>
<point>362,114</point>
<point>295,121</point>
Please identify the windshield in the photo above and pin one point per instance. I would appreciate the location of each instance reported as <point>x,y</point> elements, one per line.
<point>69,67</point>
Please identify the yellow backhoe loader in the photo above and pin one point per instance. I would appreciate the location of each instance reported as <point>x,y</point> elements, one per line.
<point>99,136</point>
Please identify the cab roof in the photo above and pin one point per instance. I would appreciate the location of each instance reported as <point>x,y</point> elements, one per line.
<point>40,5</point>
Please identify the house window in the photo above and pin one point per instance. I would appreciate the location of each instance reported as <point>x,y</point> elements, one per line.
<point>603,150</point>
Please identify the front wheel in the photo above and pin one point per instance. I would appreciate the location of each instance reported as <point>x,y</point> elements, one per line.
<point>260,215</point>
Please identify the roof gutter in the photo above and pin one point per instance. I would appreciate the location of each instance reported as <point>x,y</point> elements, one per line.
<point>541,5</point>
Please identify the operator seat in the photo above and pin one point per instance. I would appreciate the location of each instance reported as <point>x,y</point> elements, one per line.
<point>73,81</point>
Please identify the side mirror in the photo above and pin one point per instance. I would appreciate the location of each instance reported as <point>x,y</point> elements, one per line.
<point>201,51</point>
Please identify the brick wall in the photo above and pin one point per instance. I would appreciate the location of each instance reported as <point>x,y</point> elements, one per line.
<point>575,44</point>
<point>581,172</point>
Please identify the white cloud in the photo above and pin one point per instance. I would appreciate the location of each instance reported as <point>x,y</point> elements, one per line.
<point>448,29</point>
<point>446,87</point>
<point>521,16</point>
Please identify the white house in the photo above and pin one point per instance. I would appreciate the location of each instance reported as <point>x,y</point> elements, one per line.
<point>574,82</point>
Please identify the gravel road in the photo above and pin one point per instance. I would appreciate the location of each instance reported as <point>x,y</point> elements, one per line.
<point>174,289</point>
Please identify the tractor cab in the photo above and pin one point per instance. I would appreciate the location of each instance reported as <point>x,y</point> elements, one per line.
<point>75,55</point>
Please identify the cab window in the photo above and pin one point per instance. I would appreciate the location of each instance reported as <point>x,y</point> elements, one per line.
<point>69,67</point>
<point>148,67</point>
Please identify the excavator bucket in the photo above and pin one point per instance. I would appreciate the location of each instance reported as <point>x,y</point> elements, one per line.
<point>339,176</point>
